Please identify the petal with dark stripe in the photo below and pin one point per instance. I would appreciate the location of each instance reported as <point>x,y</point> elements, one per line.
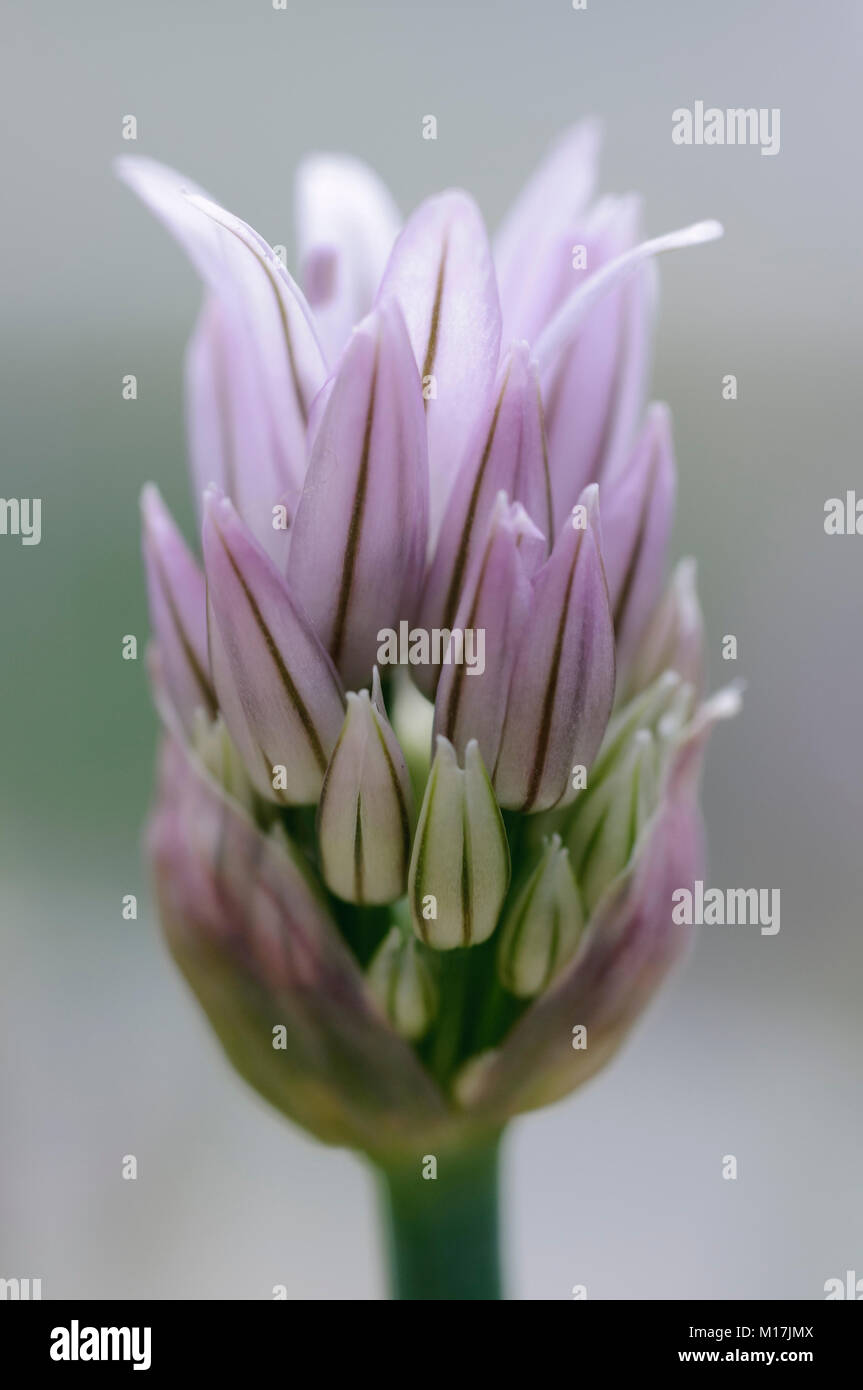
<point>637,512</point>
<point>562,686</point>
<point>442,275</point>
<point>507,453</point>
<point>278,692</point>
<point>261,351</point>
<point>359,536</point>
<point>484,637</point>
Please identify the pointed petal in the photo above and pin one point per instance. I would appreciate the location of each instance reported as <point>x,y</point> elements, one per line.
<point>359,537</point>
<point>593,356</point>
<point>631,943</point>
<point>542,927</point>
<point>261,952</point>
<point>637,513</point>
<point>506,454</point>
<point>346,214</point>
<point>442,275</point>
<point>562,687</point>
<point>365,809</point>
<point>471,699</point>
<point>402,985</point>
<point>278,692</point>
<point>275,363</point>
<point>533,248</point>
<point>459,869</point>
<point>178,612</point>
<point>674,638</point>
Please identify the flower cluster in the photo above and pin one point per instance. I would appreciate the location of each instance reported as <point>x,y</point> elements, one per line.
<point>417,899</point>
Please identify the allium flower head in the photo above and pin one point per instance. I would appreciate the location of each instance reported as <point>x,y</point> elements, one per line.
<point>432,732</point>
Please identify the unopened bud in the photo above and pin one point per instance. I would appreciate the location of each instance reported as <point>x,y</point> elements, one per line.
<point>459,870</point>
<point>541,930</point>
<point>402,985</point>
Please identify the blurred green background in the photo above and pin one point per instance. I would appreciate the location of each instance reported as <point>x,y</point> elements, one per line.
<point>755,1049</point>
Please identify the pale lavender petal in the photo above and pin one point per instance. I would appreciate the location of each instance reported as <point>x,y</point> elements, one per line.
<point>346,225</point>
<point>562,686</point>
<point>533,248</point>
<point>506,454</point>
<point>593,354</point>
<point>275,363</point>
<point>178,612</point>
<point>579,386</point>
<point>471,699</point>
<point>359,537</point>
<point>278,692</point>
<point>442,274</point>
<point>637,514</point>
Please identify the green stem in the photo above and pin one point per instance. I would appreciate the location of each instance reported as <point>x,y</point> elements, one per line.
<point>443,1230</point>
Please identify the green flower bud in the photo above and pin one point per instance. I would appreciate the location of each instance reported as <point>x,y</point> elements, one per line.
<point>608,818</point>
<point>541,929</point>
<point>401,983</point>
<point>365,808</point>
<point>459,871</point>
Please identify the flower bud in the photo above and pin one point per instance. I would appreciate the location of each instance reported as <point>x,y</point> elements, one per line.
<point>609,817</point>
<point>542,928</point>
<point>402,985</point>
<point>365,809</point>
<point>562,686</point>
<point>278,692</point>
<point>459,871</point>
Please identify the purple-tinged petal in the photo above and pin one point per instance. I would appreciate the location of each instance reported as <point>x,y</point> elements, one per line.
<point>346,225</point>
<point>506,454</point>
<point>178,612</point>
<point>474,681</point>
<point>674,637</point>
<point>459,871</point>
<point>579,386</point>
<point>630,945</point>
<point>562,686</point>
<point>278,692</point>
<point>533,248</point>
<point>230,441</point>
<point>364,814</point>
<point>593,354</point>
<point>441,273</point>
<point>264,957</point>
<point>637,513</point>
<point>359,536</point>
<point>265,333</point>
